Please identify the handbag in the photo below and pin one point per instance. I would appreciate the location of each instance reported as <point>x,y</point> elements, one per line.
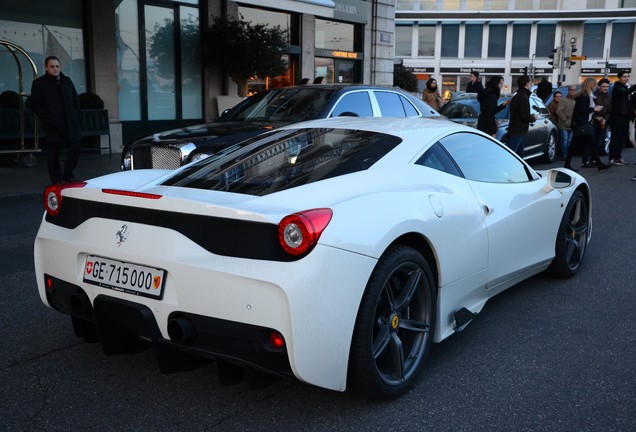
<point>583,130</point>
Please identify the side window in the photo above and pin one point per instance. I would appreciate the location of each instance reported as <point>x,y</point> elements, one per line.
<point>390,104</point>
<point>537,108</point>
<point>484,160</point>
<point>437,158</point>
<point>355,104</point>
<point>408,107</point>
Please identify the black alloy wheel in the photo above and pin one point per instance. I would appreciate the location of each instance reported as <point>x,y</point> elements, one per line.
<point>395,325</point>
<point>572,237</point>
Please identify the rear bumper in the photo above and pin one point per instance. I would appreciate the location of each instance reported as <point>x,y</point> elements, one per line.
<point>119,322</point>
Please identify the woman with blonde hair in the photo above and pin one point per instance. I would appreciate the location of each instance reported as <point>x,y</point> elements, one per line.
<point>584,108</point>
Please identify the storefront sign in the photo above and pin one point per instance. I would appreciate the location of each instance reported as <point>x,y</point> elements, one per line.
<point>422,70</point>
<point>321,52</point>
<point>351,10</point>
<point>461,70</point>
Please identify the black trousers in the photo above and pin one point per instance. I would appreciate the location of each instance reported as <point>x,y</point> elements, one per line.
<point>55,171</point>
<point>581,141</point>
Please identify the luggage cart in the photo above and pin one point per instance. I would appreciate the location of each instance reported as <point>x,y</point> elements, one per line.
<point>16,129</point>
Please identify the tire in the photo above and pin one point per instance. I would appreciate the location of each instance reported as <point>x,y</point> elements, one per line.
<point>572,237</point>
<point>395,325</point>
<point>550,150</point>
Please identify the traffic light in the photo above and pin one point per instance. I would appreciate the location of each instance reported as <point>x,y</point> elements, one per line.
<point>552,56</point>
<point>525,70</point>
<point>573,49</point>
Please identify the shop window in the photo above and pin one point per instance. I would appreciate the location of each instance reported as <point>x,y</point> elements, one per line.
<point>160,64</point>
<point>158,79</point>
<point>545,39</point>
<point>335,35</point>
<point>521,40</point>
<point>128,67</point>
<point>41,40</point>
<point>473,39</point>
<point>403,38</point>
<point>594,40</point>
<point>450,40</point>
<point>622,39</point>
<point>497,40</point>
<point>425,41</point>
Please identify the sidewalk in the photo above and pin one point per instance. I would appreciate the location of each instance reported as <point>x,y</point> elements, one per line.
<point>17,180</point>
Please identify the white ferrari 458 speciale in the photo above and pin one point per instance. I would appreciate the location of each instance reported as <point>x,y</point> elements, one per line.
<point>334,251</point>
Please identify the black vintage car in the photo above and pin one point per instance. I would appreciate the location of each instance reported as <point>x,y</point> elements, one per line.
<point>265,111</point>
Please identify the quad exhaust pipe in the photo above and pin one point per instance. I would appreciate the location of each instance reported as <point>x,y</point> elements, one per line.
<point>181,330</point>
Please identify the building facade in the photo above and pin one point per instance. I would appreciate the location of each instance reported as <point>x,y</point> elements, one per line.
<point>144,57</point>
<point>565,40</point>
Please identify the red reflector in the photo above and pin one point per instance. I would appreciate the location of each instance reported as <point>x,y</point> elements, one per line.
<point>276,340</point>
<point>131,194</point>
<point>49,283</point>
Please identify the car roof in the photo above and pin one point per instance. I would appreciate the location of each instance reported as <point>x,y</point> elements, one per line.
<point>390,125</point>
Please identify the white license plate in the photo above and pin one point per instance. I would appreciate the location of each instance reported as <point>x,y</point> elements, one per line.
<point>123,276</point>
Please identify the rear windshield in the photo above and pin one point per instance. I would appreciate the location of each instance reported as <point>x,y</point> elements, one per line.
<point>287,158</point>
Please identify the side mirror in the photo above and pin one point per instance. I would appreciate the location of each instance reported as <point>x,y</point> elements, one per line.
<point>558,179</point>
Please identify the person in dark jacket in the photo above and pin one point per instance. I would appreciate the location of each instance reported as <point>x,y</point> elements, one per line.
<point>474,85</point>
<point>488,107</point>
<point>520,117</point>
<point>599,120</point>
<point>544,89</point>
<point>585,108</point>
<point>619,117</point>
<point>54,100</point>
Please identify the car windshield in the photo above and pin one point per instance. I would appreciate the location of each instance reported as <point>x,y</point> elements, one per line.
<point>284,159</point>
<point>288,105</point>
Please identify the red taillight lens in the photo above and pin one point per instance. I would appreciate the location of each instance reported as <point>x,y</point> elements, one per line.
<point>299,232</point>
<point>53,196</point>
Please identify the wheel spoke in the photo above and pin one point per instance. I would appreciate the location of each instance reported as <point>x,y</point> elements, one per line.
<point>415,326</point>
<point>397,356</point>
<point>408,290</point>
<point>382,340</point>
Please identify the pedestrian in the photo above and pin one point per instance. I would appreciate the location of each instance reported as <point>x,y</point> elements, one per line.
<point>520,117</point>
<point>54,100</point>
<point>583,132</point>
<point>488,105</point>
<point>544,89</point>
<point>564,120</point>
<point>431,94</point>
<point>552,106</point>
<point>474,85</point>
<point>599,121</point>
<point>620,117</point>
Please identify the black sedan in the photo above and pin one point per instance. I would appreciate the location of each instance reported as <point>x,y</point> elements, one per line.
<point>265,111</point>
<point>542,135</point>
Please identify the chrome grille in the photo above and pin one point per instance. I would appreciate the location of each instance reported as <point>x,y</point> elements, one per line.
<point>159,157</point>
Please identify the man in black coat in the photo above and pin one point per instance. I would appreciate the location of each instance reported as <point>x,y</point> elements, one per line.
<point>474,85</point>
<point>619,117</point>
<point>54,100</point>
<point>520,117</point>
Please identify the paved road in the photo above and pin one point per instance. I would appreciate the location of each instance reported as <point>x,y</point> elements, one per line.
<point>547,355</point>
